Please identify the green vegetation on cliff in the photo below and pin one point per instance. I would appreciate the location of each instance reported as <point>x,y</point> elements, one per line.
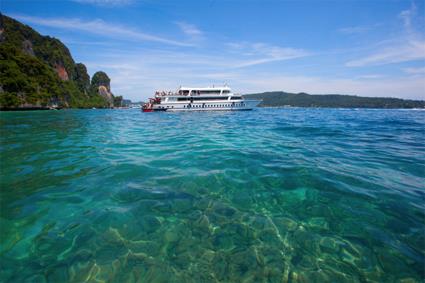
<point>280,98</point>
<point>82,78</point>
<point>100,78</point>
<point>38,72</point>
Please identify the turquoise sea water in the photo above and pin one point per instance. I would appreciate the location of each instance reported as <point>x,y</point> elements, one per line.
<point>270,195</point>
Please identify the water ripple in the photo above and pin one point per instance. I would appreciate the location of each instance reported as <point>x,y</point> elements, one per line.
<point>267,195</point>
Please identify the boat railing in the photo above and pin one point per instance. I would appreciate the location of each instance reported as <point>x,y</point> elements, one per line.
<point>170,93</point>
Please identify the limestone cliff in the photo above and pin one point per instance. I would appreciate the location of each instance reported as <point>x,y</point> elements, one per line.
<point>82,78</point>
<point>101,84</point>
<point>39,72</point>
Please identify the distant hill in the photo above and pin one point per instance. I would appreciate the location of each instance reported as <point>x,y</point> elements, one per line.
<point>280,98</point>
<point>38,72</point>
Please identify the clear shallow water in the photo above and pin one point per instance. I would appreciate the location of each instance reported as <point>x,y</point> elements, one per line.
<point>270,195</point>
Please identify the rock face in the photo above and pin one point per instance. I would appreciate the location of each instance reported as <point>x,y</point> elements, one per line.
<point>27,47</point>
<point>82,78</point>
<point>39,72</point>
<point>61,71</point>
<point>101,79</point>
<point>103,91</point>
<point>101,84</point>
<point>1,29</point>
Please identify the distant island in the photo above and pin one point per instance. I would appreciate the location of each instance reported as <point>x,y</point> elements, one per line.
<point>38,72</point>
<point>282,99</point>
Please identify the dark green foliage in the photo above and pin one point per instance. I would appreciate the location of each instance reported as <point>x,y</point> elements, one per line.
<point>82,78</point>
<point>26,79</point>
<point>280,98</point>
<point>100,78</point>
<point>46,48</point>
<point>118,101</point>
<point>28,75</point>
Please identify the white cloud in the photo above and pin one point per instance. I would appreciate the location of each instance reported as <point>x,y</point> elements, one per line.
<point>408,15</point>
<point>260,53</point>
<point>371,76</point>
<point>105,3</point>
<point>98,27</point>
<point>189,29</point>
<point>409,46</point>
<point>359,29</point>
<point>415,71</point>
<point>138,75</point>
<point>398,52</point>
<point>192,32</point>
<point>354,29</point>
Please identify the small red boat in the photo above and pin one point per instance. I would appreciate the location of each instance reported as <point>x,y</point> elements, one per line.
<point>148,107</point>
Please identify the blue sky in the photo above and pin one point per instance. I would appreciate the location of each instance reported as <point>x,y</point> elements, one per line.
<point>368,48</point>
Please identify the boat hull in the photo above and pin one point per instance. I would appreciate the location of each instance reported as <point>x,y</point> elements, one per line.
<point>206,106</point>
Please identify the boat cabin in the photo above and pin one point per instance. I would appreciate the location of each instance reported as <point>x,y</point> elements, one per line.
<point>210,91</point>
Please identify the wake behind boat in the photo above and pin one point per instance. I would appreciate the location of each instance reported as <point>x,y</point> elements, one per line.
<point>199,99</point>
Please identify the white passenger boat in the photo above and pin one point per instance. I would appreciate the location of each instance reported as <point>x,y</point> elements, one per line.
<point>199,99</point>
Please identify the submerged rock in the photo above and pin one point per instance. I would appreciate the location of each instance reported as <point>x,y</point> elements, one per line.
<point>330,245</point>
<point>318,223</point>
<point>149,223</point>
<point>224,210</point>
<point>285,224</point>
<point>223,240</point>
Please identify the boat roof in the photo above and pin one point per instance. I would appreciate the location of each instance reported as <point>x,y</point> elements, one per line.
<point>205,88</point>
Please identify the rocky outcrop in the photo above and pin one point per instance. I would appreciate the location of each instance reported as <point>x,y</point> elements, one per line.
<point>1,28</point>
<point>38,71</point>
<point>101,84</point>
<point>103,91</point>
<point>82,78</point>
<point>101,79</point>
<point>27,47</point>
<point>61,71</point>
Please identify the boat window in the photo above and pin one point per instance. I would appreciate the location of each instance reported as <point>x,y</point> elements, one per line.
<point>205,98</point>
<point>208,92</point>
<point>226,91</point>
<point>236,97</point>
